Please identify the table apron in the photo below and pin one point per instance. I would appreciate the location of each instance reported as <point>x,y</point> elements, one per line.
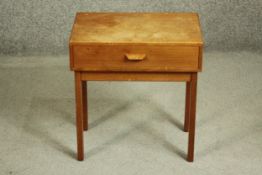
<point>135,76</point>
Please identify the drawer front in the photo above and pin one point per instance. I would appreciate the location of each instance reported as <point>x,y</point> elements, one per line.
<point>156,58</point>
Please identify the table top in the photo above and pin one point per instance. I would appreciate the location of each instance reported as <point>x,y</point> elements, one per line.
<point>136,28</point>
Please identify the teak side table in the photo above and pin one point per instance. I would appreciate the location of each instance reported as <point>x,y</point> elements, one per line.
<point>136,47</point>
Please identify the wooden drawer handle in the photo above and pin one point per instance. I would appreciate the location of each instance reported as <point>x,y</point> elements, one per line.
<point>135,57</point>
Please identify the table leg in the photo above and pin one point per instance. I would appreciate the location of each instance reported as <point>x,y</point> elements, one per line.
<point>187,107</point>
<point>191,138</point>
<point>79,115</point>
<point>85,108</point>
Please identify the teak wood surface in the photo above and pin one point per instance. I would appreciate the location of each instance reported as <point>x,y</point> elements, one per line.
<point>136,47</point>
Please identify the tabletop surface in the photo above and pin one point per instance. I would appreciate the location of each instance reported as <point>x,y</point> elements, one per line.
<point>136,28</point>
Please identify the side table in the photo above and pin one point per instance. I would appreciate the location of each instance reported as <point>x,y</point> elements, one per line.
<point>135,47</point>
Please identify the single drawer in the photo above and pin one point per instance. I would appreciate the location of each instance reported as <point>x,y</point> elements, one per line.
<point>151,58</point>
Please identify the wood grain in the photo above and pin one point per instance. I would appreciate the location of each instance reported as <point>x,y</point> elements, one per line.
<point>136,47</point>
<point>129,28</point>
<point>187,107</point>
<point>134,76</point>
<point>85,109</point>
<point>192,119</point>
<point>200,58</point>
<point>159,58</point>
<point>135,56</point>
<point>79,115</point>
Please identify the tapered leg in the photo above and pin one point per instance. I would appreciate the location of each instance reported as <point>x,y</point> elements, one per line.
<point>85,108</point>
<point>192,120</point>
<point>79,115</point>
<point>187,107</point>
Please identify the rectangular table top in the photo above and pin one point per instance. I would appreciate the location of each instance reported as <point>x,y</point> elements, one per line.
<point>136,28</point>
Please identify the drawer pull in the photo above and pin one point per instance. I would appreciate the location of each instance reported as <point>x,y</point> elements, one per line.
<point>135,57</point>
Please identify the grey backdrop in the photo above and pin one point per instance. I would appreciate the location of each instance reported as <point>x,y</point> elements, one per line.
<point>43,26</point>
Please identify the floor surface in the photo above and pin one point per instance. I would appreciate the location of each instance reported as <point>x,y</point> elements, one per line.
<point>135,127</point>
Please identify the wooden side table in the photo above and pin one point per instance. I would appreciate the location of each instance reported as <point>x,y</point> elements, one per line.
<point>135,47</point>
